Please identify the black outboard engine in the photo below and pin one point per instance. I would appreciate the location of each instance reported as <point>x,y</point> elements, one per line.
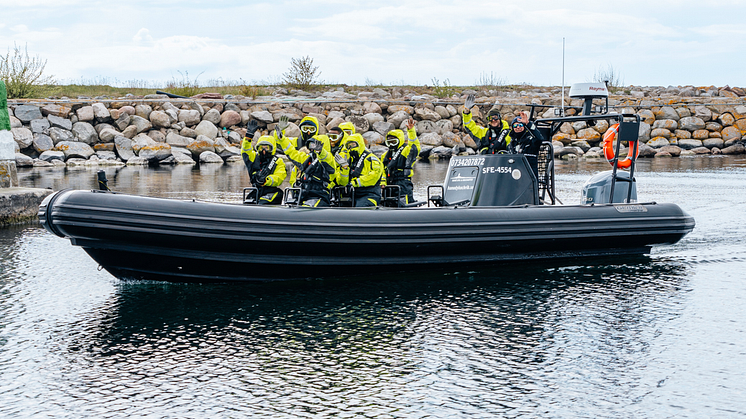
<point>597,190</point>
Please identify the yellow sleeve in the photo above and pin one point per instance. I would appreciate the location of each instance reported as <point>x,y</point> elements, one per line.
<point>278,175</point>
<point>472,126</point>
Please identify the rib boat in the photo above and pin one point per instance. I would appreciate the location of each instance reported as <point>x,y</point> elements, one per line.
<point>489,209</point>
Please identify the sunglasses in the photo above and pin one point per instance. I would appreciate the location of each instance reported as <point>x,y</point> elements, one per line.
<point>308,128</point>
<point>518,125</point>
<point>334,137</point>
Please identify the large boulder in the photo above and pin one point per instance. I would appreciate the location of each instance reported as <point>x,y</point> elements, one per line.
<point>689,144</point>
<point>263,116</point>
<point>23,160</point>
<point>730,133</point>
<point>666,112</point>
<point>159,119</point>
<point>143,111</point>
<point>60,111</point>
<point>207,129</point>
<point>210,157</point>
<point>123,146</point>
<point>85,133</point>
<point>431,138</point>
<point>426,114</point>
<point>373,118</point>
<point>59,134</point>
<point>75,149</point>
<point>100,112</point>
<point>668,124</point>
<point>155,152</point>
<point>176,140</point>
<point>141,141</point>
<point>42,142</point>
<point>141,124</point>
<point>713,143</point>
<point>40,126</point>
<point>56,121</point>
<point>691,123</point>
<point>397,117</point>
<point>23,137</point>
<point>200,145</point>
<point>373,138</point>
<point>383,128</point>
<point>361,124</point>
<point>230,118</point>
<point>190,117</point>
<point>213,116</point>
<point>85,114</point>
<point>52,155</point>
<point>27,113</point>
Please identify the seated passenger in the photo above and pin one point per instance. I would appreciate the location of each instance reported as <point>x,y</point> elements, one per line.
<point>399,159</point>
<point>266,169</point>
<point>526,140</point>
<point>309,128</point>
<point>361,169</point>
<point>314,171</point>
<point>491,140</point>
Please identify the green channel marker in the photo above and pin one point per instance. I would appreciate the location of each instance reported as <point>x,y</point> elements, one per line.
<point>4,117</point>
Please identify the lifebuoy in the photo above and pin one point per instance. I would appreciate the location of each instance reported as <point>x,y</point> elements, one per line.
<point>609,137</point>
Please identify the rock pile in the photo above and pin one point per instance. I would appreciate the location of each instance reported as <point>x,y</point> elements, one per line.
<point>158,130</point>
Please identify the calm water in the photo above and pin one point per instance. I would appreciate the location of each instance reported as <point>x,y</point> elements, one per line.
<point>649,337</point>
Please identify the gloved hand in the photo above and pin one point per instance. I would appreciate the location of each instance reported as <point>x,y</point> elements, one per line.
<point>284,122</point>
<point>278,133</point>
<point>341,160</point>
<point>251,128</point>
<point>469,102</point>
<point>315,145</point>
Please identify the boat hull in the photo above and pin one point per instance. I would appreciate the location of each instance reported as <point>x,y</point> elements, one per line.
<point>154,238</point>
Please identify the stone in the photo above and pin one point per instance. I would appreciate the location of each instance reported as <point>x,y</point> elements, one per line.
<point>138,161</point>
<point>104,147</point>
<point>713,126</point>
<point>229,119</point>
<point>371,107</point>
<point>207,129</point>
<point>455,120</point>
<point>141,141</point>
<point>582,144</point>
<point>404,108</point>
<point>262,116</point>
<point>100,112</point>
<point>59,134</point>
<point>372,118</point>
<point>441,152</point>
<point>210,157</point>
<point>647,116</point>
<point>130,131</point>
<point>700,150</point>
<point>643,133</point>
<point>383,128</point>
<point>668,124</point>
<point>130,110</point>
<point>726,119</point>
<point>741,125</point>
<point>703,113</point>
<point>660,132</point>
<point>730,133</point>
<point>682,134</point>
<point>23,137</point>
<point>673,150</point>
<point>589,134</point>
<point>443,126</point>
<point>23,160</point>
<point>213,116</point>
<point>666,112</point>
<point>701,134</point>
<point>85,133</point>
<point>60,111</point>
<point>361,124</point>
<point>658,142</point>
<point>143,111</point>
<point>187,132</point>
<point>40,126</point>
<point>443,112</point>
<point>16,123</point>
<point>601,126</point>
<point>734,149</point>
<point>691,123</point>
<point>177,140</point>
<point>56,121</point>
<point>200,145</point>
<point>123,121</point>
<point>421,127</point>
<point>27,113</point>
<point>373,138</point>
<point>141,124</point>
<point>688,144</point>
<point>646,151</point>
<point>155,152</point>
<point>159,119</point>
<point>579,125</point>
<point>42,142</point>
<point>334,122</point>
<point>85,114</point>
<point>106,155</point>
<point>157,135</point>
<point>51,155</point>
<point>397,118</point>
<point>563,138</point>
<point>713,142</point>
<point>107,135</point>
<point>75,148</point>
<point>123,147</point>
<point>431,138</point>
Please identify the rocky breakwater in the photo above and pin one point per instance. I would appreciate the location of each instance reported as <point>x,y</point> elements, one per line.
<point>158,130</point>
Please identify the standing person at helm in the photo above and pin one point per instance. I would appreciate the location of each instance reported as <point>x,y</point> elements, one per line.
<point>266,169</point>
<point>362,170</point>
<point>491,139</point>
<point>399,159</point>
<point>526,140</point>
<point>309,128</point>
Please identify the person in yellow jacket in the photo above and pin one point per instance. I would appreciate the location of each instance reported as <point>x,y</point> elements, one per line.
<point>314,168</point>
<point>491,139</point>
<point>399,159</point>
<point>309,129</point>
<point>266,169</point>
<point>360,169</point>
<point>348,128</point>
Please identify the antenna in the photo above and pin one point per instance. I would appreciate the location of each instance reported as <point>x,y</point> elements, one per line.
<point>563,77</point>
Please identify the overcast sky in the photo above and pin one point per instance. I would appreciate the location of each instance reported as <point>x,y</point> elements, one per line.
<point>647,43</point>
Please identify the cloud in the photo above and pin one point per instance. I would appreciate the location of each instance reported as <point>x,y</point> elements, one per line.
<point>143,35</point>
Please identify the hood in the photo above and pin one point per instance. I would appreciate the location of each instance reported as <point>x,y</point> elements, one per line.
<point>360,143</point>
<point>347,125</point>
<point>311,119</point>
<point>266,139</point>
<point>398,134</point>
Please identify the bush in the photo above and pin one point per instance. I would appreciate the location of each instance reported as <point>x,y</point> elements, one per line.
<point>302,74</point>
<point>22,74</point>
<point>184,87</point>
<point>609,76</point>
<point>442,91</point>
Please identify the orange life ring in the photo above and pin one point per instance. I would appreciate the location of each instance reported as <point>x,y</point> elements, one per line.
<point>609,137</point>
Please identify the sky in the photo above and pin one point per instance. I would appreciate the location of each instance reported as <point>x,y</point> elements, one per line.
<point>131,42</point>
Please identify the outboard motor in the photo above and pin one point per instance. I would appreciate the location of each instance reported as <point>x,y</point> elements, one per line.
<point>597,190</point>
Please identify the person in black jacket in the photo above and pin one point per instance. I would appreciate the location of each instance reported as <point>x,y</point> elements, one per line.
<point>526,140</point>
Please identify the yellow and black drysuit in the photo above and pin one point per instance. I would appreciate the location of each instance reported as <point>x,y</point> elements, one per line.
<point>314,171</point>
<point>490,140</point>
<point>398,162</point>
<point>299,142</point>
<point>266,169</point>
<point>364,172</point>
